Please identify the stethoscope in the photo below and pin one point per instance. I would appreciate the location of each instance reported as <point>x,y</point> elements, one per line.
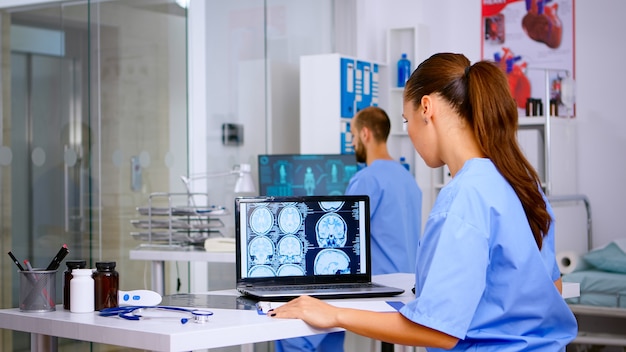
<point>199,316</point>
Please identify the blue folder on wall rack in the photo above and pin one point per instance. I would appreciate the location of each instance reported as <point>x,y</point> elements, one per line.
<point>347,87</point>
<point>364,90</point>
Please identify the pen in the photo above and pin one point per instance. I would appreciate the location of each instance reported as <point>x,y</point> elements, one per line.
<point>56,261</point>
<point>28,266</point>
<point>17,262</point>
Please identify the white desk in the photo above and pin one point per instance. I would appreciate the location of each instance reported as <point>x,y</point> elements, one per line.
<point>159,255</point>
<point>227,327</point>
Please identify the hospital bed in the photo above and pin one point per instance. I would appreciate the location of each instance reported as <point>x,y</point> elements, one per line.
<point>601,307</point>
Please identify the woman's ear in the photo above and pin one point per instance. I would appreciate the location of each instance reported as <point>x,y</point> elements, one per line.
<point>426,104</point>
<point>426,108</point>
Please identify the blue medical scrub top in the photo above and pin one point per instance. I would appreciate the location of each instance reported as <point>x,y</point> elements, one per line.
<point>395,225</point>
<point>480,276</point>
<point>395,214</point>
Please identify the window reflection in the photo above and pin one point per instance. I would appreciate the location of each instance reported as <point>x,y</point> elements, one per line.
<point>91,85</point>
<point>110,85</point>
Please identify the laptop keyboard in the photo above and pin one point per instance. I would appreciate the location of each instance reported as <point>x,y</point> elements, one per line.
<point>314,287</point>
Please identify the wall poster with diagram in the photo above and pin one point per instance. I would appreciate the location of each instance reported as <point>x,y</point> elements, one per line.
<point>530,39</point>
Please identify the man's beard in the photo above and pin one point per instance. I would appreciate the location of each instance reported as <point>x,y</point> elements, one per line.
<point>360,153</point>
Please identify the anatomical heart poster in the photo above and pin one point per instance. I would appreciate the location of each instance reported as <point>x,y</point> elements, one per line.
<point>533,42</point>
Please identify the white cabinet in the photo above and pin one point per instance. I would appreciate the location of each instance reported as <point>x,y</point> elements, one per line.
<point>333,88</point>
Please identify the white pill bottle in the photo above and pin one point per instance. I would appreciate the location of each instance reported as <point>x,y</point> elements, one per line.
<point>82,297</point>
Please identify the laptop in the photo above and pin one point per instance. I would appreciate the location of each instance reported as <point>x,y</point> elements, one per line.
<point>305,245</point>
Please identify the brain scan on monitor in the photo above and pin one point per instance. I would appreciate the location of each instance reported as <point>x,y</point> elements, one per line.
<point>290,249</point>
<point>331,231</point>
<point>331,262</point>
<point>331,206</point>
<point>290,270</point>
<point>261,250</point>
<point>261,271</point>
<point>261,220</point>
<point>289,219</point>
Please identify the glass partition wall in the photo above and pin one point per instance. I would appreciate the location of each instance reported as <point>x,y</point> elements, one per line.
<point>104,103</point>
<point>94,119</point>
<point>251,53</point>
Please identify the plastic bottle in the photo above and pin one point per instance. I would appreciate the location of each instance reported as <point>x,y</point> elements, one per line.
<point>106,281</point>
<point>67,276</point>
<point>81,291</point>
<point>405,164</point>
<point>404,70</point>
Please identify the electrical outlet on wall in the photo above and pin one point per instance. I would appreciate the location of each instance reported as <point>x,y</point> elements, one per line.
<point>232,134</point>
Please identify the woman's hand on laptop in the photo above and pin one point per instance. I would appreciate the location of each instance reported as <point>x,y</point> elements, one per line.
<point>313,311</point>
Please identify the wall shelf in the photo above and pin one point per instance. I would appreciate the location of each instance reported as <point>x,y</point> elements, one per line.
<point>405,40</point>
<point>548,143</point>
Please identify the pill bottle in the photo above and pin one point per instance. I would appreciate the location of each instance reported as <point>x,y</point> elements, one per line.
<point>67,276</point>
<point>82,291</point>
<point>106,285</point>
<point>539,107</point>
<point>530,107</point>
<point>554,107</point>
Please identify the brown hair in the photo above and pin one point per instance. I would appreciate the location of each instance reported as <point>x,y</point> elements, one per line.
<point>480,94</point>
<point>376,120</point>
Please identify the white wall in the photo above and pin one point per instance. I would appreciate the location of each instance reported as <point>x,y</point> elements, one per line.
<point>454,25</point>
<point>602,127</point>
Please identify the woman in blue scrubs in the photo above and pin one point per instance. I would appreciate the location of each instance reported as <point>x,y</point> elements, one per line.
<point>486,276</point>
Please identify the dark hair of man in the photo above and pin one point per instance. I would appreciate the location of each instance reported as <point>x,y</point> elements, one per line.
<point>376,120</point>
<point>480,94</point>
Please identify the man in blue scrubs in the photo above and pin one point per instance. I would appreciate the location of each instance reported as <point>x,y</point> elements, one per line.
<point>395,198</point>
<point>395,209</point>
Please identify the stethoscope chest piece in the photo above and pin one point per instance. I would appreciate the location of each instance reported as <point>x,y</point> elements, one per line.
<point>201,316</point>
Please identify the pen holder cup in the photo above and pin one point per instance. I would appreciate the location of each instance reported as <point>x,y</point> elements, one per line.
<point>38,290</point>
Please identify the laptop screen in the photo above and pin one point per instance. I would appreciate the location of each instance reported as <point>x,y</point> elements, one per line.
<point>304,239</point>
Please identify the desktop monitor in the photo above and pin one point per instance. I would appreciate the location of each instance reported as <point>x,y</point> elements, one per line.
<point>305,174</point>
